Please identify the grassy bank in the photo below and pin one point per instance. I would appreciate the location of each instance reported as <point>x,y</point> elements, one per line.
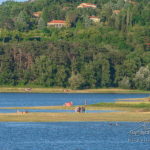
<point>65,117</point>
<point>128,106</point>
<point>61,90</point>
<point>129,112</point>
<point>145,99</point>
<point>125,106</point>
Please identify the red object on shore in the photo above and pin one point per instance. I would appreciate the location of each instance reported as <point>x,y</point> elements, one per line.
<point>68,104</point>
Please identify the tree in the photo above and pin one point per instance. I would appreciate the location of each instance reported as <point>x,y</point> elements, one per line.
<point>22,21</point>
<point>120,4</point>
<point>72,18</point>
<point>76,81</point>
<point>41,24</point>
<point>125,83</point>
<point>142,78</point>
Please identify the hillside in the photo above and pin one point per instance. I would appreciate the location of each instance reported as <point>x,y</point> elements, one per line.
<point>75,43</point>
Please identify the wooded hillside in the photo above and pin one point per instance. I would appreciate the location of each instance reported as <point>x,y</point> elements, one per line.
<point>113,51</point>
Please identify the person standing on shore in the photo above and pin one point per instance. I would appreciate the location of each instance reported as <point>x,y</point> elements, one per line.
<point>78,109</point>
<point>83,109</point>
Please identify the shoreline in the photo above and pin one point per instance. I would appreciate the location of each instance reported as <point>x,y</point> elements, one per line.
<point>130,111</point>
<point>127,113</point>
<point>62,90</point>
<point>76,117</point>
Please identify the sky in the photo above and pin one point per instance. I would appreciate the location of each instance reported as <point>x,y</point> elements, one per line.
<point>14,0</point>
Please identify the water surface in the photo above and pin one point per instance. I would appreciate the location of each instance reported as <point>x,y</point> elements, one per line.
<point>70,136</point>
<point>44,99</point>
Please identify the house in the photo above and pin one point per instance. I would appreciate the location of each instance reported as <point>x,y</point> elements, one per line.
<point>37,14</point>
<point>116,12</point>
<point>94,19</point>
<point>147,46</point>
<point>87,5</point>
<point>57,23</point>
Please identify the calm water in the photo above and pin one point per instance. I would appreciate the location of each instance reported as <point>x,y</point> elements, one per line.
<point>70,136</point>
<point>67,135</point>
<point>32,99</point>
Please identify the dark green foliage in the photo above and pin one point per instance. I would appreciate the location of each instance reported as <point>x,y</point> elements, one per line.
<point>112,53</point>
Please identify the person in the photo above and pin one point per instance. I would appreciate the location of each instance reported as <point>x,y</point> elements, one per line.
<point>83,109</point>
<point>26,111</point>
<point>77,109</point>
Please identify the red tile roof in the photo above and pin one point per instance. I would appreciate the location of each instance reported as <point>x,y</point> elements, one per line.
<point>37,14</point>
<point>93,17</point>
<point>88,4</point>
<point>57,21</point>
<point>147,44</point>
<point>83,5</point>
<point>116,11</point>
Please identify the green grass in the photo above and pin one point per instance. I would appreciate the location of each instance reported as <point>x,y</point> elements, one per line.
<point>128,105</point>
<point>145,99</point>
<point>130,112</point>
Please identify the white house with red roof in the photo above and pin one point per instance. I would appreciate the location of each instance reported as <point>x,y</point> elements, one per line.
<point>57,23</point>
<point>87,5</point>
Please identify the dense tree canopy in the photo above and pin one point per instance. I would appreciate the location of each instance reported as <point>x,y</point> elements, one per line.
<point>114,52</point>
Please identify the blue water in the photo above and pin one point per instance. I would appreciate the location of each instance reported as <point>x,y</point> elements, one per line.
<point>34,99</point>
<point>53,111</point>
<point>70,136</point>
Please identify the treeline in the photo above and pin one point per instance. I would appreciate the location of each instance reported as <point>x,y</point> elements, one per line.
<point>75,65</point>
<point>112,53</point>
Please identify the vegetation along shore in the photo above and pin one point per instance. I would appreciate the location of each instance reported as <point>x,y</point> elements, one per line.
<point>127,111</point>
<point>64,90</point>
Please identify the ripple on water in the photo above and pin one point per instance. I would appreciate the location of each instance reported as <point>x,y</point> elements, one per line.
<point>68,136</point>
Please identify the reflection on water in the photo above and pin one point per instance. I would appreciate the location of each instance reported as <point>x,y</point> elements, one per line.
<point>68,136</point>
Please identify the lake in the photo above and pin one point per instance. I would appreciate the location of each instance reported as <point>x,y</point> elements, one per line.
<point>44,99</point>
<point>71,136</point>
<point>68,135</point>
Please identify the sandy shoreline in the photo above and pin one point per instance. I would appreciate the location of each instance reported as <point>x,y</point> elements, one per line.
<point>75,117</point>
<point>61,90</point>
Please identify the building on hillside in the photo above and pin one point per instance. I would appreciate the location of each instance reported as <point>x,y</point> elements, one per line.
<point>116,12</point>
<point>147,46</point>
<point>94,19</point>
<point>87,5</point>
<point>57,23</point>
<point>37,14</point>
